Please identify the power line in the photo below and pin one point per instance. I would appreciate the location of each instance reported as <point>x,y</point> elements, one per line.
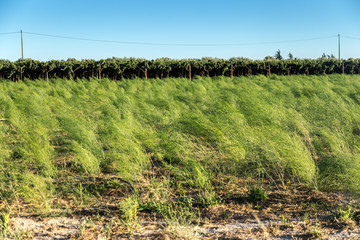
<point>351,38</point>
<point>9,33</point>
<point>178,44</point>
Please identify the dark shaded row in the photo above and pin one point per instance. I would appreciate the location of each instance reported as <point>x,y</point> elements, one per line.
<point>119,68</point>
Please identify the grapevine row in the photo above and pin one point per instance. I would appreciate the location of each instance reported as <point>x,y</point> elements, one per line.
<point>127,68</point>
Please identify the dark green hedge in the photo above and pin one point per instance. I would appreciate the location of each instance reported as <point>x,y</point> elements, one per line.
<point>118,68</point>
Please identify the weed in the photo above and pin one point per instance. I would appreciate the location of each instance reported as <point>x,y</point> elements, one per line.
<point>186,202</point>
<point>150,206</point>
<point>180,211</point>
<point>257,194</point>
<point>305,217</point>
<point>183,215</point>
<point>207,198</point>
<point>4,222</point>
<point>224,214</point>
<point>80,193</point>
<point>108,229</point>
<point>284,222</point>
<point>316,231</point>
<point>182,231</point>
<point>345,215</point>
<point>129,209</point>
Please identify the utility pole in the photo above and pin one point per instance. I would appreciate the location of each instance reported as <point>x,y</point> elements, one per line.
<point>22,46</point>
<point>339,44</point>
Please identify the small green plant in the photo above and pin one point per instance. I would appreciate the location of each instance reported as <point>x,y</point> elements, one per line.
<point>150,206</point>
<point>284,222</point>
<point>305,218</point>
<point>185,201</point>
<point>257,194</point>
<point>4,222</point>
<point>180,211</point>
<point>345,215</point>
<point>224,214</point>
<point>181,231</point>
<point>182,215</point>
<point>80,193</point>
<point>316,231</point>
<point>108,229</point>
<point>207,198</point>
<point>129,209</point>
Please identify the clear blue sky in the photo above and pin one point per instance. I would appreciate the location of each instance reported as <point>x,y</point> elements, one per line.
<point>178,22</point>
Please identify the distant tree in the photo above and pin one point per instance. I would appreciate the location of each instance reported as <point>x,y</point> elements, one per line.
<point>291,57</point>
<point>269,58</point>
<point>278,55</point>
<point>328,56</point>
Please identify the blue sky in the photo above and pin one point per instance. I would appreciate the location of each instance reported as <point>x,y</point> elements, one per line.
<point>178,22</point>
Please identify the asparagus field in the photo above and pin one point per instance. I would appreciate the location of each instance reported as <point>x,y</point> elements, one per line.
<point>168,146</point>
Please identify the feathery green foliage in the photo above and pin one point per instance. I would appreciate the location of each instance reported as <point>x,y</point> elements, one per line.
<point>300,128</point>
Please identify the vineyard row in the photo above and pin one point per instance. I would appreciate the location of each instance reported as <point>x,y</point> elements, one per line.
<point>120,68</point>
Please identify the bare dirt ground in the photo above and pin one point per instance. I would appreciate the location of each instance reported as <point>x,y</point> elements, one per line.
<point>290,212</point>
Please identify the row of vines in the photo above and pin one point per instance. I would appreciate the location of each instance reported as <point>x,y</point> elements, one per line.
<point>119,68</point>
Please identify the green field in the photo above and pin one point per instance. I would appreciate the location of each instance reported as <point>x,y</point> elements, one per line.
<point>296,128</point>
<point>189,135</point>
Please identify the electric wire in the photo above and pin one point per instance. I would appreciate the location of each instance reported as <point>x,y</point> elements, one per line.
<point>178,44</point>
<point>351,38</point>
<point>5,33</point>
